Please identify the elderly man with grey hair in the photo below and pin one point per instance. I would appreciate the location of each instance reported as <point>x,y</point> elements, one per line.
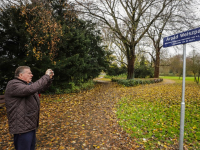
<point>23,106</point>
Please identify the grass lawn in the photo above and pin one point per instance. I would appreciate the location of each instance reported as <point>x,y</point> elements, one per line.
<point>177,78</point>
<point>152,115</point>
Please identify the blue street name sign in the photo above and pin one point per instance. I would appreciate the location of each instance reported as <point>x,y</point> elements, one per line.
<point>182,38</point>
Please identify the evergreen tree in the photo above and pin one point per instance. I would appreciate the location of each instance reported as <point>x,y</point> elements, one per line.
<point>81,56</point>
<point>70,46</point>
<point>13,38</point>
<point>22,42</point>
<point>144,69</point>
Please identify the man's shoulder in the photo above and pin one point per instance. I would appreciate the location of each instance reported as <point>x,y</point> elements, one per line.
<point>15,81</point>
<point>12,84</point>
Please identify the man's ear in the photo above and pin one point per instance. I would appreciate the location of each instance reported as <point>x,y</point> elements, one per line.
<point>20,75</point>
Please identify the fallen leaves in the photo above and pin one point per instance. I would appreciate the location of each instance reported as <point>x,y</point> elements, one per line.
<point>85,120</point>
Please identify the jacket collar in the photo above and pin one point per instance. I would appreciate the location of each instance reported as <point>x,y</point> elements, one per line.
<point>22,80</point>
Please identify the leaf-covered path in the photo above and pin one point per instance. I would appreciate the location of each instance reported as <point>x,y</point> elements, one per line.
<point>85,120</point>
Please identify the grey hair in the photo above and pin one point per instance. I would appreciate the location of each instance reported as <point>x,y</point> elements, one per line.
<point>20,69</point>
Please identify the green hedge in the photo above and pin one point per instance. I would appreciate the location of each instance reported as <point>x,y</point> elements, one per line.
<point>135,82</point>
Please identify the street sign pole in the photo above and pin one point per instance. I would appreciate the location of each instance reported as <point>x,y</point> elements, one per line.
<point>177,39</point>
<point>183,101</point>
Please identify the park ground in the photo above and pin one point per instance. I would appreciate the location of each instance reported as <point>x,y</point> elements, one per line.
<point>82,121</point>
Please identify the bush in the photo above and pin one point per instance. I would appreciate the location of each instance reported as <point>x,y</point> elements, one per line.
<point>121,76</point>
<point>143,72</point>
<point>114,70</point>
<point>144,69</point>
<point>71,87</point>
<point>135,82</point>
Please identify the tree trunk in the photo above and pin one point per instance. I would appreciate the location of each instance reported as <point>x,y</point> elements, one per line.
<point>131,68</point>
<point>157,64</point>
<point>196,79</point>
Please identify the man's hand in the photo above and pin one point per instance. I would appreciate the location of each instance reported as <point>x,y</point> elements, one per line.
<point>50,73</point>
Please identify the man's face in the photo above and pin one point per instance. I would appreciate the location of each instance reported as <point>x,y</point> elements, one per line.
<point>26,75</point>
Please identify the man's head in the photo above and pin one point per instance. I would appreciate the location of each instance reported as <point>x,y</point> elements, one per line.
<point>24,73</point>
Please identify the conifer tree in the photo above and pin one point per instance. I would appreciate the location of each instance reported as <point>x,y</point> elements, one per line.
<point>43,37</point>
<point>81,56</point>
<point>13,38</point>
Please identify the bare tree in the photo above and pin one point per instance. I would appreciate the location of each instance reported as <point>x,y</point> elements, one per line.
<point>180,17</point>
<point>155,34</point>
<point>176,65</point>
<point>7,3</point>
<point>130,13</point>
<point>115,46</point>
<point>194,65</point>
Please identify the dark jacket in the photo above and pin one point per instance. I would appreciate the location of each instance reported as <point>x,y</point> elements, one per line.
<point>23,104</point>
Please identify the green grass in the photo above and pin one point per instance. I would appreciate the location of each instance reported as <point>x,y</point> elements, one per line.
<point>177,78</point>
<point>152,116</point>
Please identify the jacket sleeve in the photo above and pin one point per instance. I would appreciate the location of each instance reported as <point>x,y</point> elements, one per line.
<point>46,87</point>
<point>21,89</point>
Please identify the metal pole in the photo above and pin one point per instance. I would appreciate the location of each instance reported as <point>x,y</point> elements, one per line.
<point>183,101</point>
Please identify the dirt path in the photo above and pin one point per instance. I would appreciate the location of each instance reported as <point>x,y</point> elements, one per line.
<point>91,122</point>
<point>167,81</point>
<point>82,121</point>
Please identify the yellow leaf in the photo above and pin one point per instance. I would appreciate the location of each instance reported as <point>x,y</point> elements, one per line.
<point>62,147</point>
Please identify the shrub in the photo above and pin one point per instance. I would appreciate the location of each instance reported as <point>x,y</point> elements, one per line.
<point>135,82</point>
<point>114,70</point>
<point>71,87</point>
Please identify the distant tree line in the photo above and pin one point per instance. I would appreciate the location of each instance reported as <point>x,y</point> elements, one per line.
<point>174,65</point>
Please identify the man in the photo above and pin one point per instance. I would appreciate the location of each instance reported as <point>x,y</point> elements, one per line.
<point>23,105</point>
